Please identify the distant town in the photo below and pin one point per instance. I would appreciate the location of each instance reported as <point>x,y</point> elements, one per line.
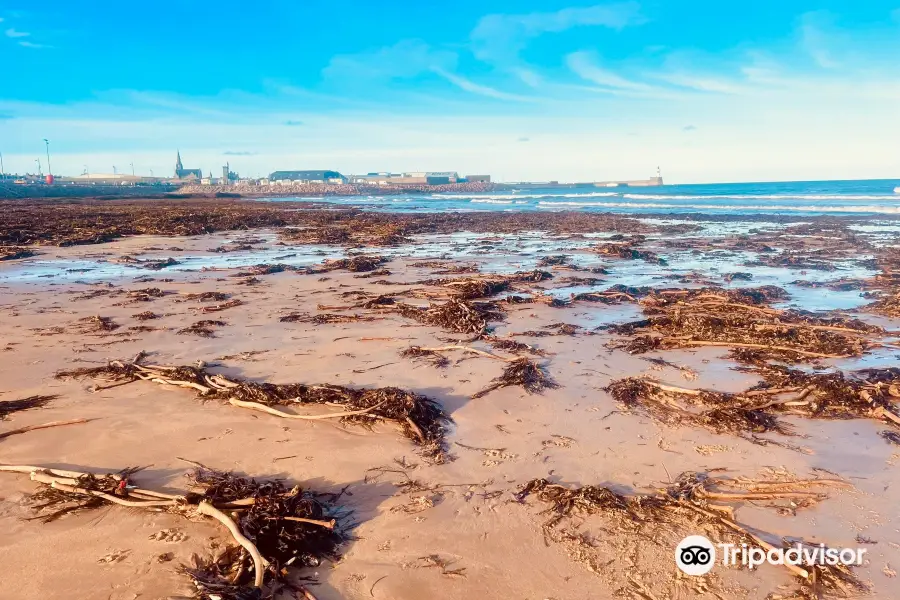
<point>324,181</point>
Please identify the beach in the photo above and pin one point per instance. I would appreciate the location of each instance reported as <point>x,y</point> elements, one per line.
<point>583,390</point>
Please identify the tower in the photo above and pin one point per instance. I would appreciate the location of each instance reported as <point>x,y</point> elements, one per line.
<point>178,166</point>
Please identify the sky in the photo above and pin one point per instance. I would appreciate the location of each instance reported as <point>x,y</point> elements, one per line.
<point>552,90</point>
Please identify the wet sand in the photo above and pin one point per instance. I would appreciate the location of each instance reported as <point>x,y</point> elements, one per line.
<point>491,545</point>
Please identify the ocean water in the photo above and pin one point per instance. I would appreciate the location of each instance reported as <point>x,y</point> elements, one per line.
<point>803,198</point>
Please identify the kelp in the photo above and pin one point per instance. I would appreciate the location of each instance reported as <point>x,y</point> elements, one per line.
<point>420,418</point>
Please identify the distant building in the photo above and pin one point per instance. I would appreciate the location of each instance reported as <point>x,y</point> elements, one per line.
<point>441,177</point>
<point>478,178</point>
<point>288,177</point>
<point>182,173</point>
<point>412,178</point>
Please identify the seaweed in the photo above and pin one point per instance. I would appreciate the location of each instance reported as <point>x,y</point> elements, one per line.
<point>521,372</point>
<point>740,319</point>
<point>204,297</point>
<point>7,407</point>
<point>434,357</point>
<point>146,316</point>
<point>420,418</point>
<point>455,314</point>
<point>15,252</point>
<point>275,526</point>
<point>868,393</point>
<point>202,328</point>
<point>356,264</point>
<point>630,253</point>
<point>684,506</point>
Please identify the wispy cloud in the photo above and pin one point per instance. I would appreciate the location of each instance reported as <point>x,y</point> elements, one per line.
<point>528,77</point>
<point>689,128</point>
<point>13,33</point>
<point>292,123</point>
<point>405,59</point>
<point>816,41</point>
<point>584,65</point>
<point>498,37</point>
<point>239,153</point>
<point>476,88</point>
<point>701,82</point>
<point>33,45</point>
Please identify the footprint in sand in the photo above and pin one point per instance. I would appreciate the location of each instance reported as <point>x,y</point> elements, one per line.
<point>114,557</point>
<point>168,535</point>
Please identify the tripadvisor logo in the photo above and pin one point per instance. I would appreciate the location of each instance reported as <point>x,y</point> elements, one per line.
<point>696,555</point>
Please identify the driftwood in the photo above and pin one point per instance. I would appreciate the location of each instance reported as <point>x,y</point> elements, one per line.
<point>283,524</point>
<point>869,393</point>
<point>420,418</point>
<point>685,504</point>
<point>28,428</point>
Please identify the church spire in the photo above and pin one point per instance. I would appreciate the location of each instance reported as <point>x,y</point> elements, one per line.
<point>178,166</point>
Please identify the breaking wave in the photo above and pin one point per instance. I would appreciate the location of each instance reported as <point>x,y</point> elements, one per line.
<point>858,208</point>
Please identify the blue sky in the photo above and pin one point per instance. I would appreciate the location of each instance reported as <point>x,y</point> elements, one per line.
<point>709,91</point>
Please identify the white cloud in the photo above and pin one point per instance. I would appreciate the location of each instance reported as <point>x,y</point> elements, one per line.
<point>498,37</point>
<point>702,83</point>
<point>760,116</point>
<point>528,77</point>
<point>816,41</point>
<point>481,90</point>
<point>405,59</point>
<point>33,45</point>
<point>584,65</point>
<point>12,33</point>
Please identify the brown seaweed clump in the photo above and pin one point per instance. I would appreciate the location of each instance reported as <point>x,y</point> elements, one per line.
<point>204,297</point>
<point>514,346</point>
<point>716,411</point>
<point>521,372</point>
<point>96,324</point>
<point>629,253</point>
<point>888,305</point>
<point>794,260</point>
<point>420,418</point>
<point>870,393</point>
<point>15,252</point>
<point>656,521</point>
<point>356,264</point>
<point>324,318</point>
<point>455,314</point>
<point>741,319</point>
<point>202,328</point>
<point>275,526</point>
<point>145,294</point>
<point>866,393</point>
<point>289,526</point>
<point>146,315</point>
<point>7,407</point>
<point>433,357</point>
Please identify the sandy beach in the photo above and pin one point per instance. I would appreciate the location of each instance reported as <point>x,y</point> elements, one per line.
<point>614,353</point>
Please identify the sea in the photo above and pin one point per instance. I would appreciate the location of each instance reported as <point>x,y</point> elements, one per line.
<point>801,198</point>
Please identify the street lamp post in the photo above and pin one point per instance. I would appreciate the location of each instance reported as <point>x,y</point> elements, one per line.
<point>2,170</point>
<point>132,169</point>
<point>47,144</point>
